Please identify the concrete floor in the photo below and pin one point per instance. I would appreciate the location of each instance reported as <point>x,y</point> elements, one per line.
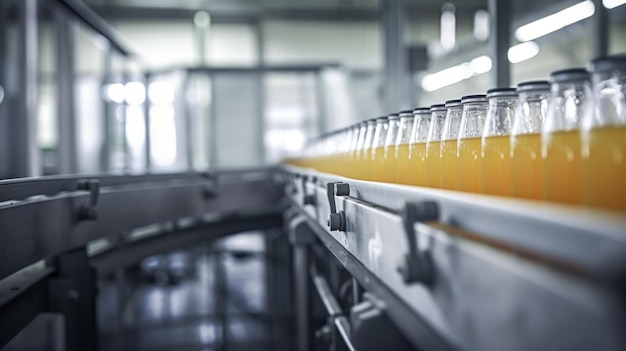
<point>219,301</point>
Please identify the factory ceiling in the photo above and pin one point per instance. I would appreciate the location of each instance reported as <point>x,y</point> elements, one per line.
<point>348,10</point>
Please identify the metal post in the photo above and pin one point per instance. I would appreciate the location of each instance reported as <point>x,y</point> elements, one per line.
<point>22,126</point>
<point>124,138</point>
<point>303,296</point>
<point>121,288</point>
<point>397,84</point>
<point>356,292</point>
<point>260,88</point>
<point>212,124</point>
<point>73,293</point>
<point>146,116</point>
<point>322,126</point>
<point>5,64</point>
<point>301,237</point>
<point>221,294</point>
<point>105,150</point>
<point>189,137</point>
<point>499,42</point>
<point>600,42</point>
<point>67,142</point>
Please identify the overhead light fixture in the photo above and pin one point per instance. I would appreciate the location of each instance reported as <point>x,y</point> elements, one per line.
<point>481,25</point>
<point>448,27</point>
<point>202,19</point>
<point>480,65</point>
<point>456,74</point>
<point>555,21</point>
<point>522,52</point>
<point>611,4</point>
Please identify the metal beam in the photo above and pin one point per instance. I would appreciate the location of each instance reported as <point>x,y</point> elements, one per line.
<point>127,253</point>
<point>90,18</point>
<point>34,229</point>
<point>499,42</point>
<point>221,14</point>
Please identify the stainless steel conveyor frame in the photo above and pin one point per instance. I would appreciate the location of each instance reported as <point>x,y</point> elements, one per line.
<point>55,230</point>
<point>471,272</point>
<point>451,271</point>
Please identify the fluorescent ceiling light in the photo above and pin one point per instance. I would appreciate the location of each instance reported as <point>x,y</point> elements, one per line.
<point>455,74</point>
<point>448,27</point>
<point>481,25</point>
<point>522,52</point>
<point>555,21</point>
<point>480,65</point>
<point>611,4</point>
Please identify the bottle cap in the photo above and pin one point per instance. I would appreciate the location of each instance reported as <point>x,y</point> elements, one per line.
<point>607,64</point>
<point>406,113</point>
<point>452,103</point>
<point>421,110</point>
<point>532,85</point>
<point>501,92</point>
<point>569,74</point>
<point>473,98</point>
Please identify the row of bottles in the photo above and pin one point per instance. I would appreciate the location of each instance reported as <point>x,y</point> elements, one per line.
<point>562,140</point>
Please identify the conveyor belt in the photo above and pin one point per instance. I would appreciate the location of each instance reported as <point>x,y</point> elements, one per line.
<point>506,274</point>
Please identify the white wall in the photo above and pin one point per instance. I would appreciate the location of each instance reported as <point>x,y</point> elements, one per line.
<point>160,43</point>
<point>355,45</point>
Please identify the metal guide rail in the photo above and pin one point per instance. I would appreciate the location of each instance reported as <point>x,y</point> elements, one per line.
<point>479,272</point>
<point>46,224</point>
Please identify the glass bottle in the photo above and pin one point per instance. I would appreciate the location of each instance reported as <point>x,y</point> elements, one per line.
<point>417,149</point>
<point>449,139</point>
<point>531,112</point>
<point>433,145</point>
<point>604,137</point>
<point>469,145</point>
<point>402,147</point>
<point>570,100</point>
<point>496,142</point>
<point>377,150</point>
<point>389,155</point>
<point>356,149</point>
<point>365,166</point>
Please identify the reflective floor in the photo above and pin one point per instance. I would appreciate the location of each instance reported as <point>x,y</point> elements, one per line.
<point>232,294</point>
<point>212,297</point>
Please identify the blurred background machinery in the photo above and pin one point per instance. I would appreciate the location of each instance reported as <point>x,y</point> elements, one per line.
<point>142,208</point>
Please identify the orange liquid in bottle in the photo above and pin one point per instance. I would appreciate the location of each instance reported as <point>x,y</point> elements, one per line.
<point>402,164</point>
<point>526,166</point>
<point>365,165</point>
<point>389,169</point>
<point>417,169</point>
<point>604,168</point>
<point>496,165</point>
<point>433,164</point>
<point>378,164</point>
<point>449,165</point>
<point>561,167</point>
<point>469,164</point>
